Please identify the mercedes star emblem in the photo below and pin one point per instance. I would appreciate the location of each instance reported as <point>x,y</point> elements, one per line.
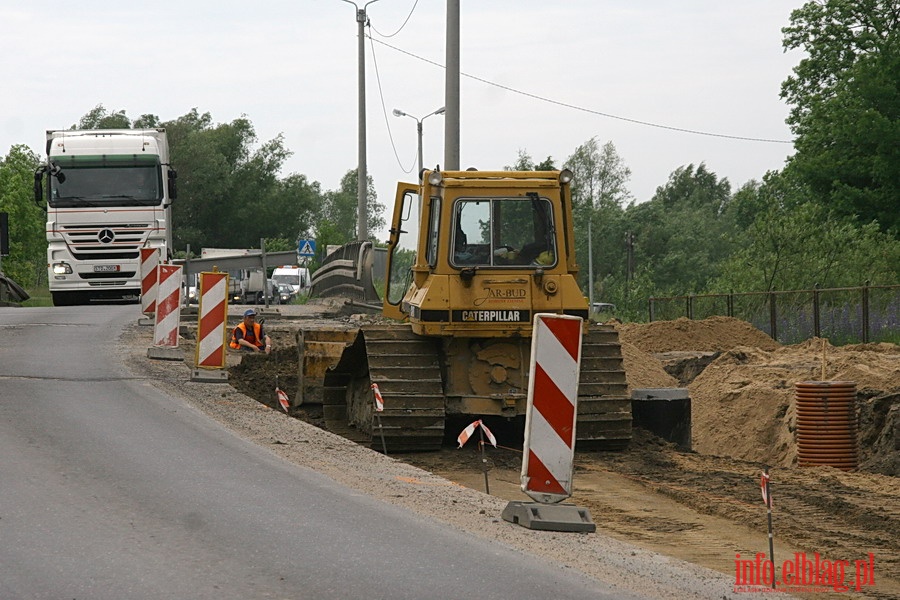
<point>106,236</point>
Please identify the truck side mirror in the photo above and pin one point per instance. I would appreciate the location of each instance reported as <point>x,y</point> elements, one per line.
<point>173,189</point>
<point>39,186</point>
<point>58,173</point>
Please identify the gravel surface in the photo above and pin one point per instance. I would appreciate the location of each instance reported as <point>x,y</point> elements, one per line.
<point>617,564</point>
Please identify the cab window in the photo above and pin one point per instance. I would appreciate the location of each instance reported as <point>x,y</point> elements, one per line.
<point>434,222</point>
<point>502,232</point>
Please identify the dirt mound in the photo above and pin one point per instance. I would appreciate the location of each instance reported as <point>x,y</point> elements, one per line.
<point>710,335</point>
<point>643,370</point>
<point>744,402</point>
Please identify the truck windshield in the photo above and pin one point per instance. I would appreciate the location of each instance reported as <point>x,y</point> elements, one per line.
<point>287,279</point>
<point>107,185</point>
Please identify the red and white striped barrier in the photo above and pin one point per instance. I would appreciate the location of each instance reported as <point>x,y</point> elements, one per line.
<point>149,262</point>
<point>168,306</point>
<point>283,399</point>
<point>470,430</point>
<point>211,328</point>
<point>379,401</point>
<point>764,486</point>
<point>549,451</point>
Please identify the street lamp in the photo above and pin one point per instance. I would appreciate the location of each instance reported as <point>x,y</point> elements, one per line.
<point>400,113</point>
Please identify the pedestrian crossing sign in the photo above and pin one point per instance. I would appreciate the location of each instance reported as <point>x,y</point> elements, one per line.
<point>306,248</point>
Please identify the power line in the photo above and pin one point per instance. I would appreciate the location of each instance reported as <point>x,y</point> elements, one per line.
<point>589,110</point>
<point>416,3</point>
<point>384,111</point>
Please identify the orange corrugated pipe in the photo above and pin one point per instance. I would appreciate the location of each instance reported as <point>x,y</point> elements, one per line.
<point>827,424</point>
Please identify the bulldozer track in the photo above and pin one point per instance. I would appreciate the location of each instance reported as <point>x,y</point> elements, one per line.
<point>407,370</point>
<point>604,408</point>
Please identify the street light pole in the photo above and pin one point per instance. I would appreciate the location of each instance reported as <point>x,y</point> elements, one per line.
<point>400,113</point>
<point>362,176</point>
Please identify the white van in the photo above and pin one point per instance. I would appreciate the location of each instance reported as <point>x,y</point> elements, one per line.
<point>292,275</point>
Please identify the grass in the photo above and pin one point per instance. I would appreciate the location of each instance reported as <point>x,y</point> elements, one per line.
<point>39,297</point>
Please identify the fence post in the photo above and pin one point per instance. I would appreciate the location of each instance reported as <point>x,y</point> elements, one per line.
<point>729,303</point>
<point>650,308</point>
<point>865,312</point>
<point>773,316</point>
<point>817,330</point>
<point>689,307</point>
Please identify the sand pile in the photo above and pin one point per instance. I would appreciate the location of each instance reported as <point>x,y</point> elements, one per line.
<point>642,370</point>
<point>712,334</point>
<point>743,402</point>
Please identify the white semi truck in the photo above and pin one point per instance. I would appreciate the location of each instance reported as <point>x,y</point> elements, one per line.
<point>109,193</point>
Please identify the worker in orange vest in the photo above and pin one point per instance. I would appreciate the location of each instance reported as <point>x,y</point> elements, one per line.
<point>249,335</point>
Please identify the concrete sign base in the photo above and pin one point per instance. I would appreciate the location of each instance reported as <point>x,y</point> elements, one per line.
<point>549,517</point>
<point>165,353</point>
<point>210,375</point>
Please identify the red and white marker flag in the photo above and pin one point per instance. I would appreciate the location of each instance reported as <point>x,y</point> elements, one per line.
<point>468,431</point>
<point>549,451</point>
<point>283,399</point>
<point>764,486</point>
<point>168,306</point>
<point>149,262</point>
<point>211,330</point>
<point>379,401</point>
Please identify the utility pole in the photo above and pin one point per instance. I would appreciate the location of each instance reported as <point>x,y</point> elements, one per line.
<point>451,89</point>
<point>590,262</point>
<point>629,260</point>
<point>362,176</point>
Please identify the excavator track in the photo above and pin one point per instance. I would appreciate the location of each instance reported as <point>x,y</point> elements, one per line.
<point>407,369</point>
<point>604,408</point>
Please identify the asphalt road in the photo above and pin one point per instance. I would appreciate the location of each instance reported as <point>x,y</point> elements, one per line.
<point>111,489</point>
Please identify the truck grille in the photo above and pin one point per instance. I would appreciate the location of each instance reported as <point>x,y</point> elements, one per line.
<point>116,275</point>
<point>106,241</point>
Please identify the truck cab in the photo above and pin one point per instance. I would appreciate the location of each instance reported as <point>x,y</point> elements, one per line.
<point>109,193</point>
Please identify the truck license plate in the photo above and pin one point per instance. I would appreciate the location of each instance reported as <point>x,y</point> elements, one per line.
<point>106,268</point>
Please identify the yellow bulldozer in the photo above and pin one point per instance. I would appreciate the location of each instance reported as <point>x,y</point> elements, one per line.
<point>472,257</point>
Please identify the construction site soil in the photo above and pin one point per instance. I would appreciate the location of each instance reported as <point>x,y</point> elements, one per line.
<point>701,505</point>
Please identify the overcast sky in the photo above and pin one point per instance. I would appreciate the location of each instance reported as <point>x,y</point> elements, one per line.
<point>291,67</point>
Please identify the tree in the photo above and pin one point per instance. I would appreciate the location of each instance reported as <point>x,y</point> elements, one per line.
<point>27,260</point>
<point>341,207</point>
<point>789,241</point>
<point>229,194</point>
<point>599,191</point>
<point>300,201</point>
<point>846,106</point>
<point>100,118</point>
<point>525,163</point>
<point>685,231</point>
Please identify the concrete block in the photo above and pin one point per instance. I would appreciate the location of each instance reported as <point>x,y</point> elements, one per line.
<point>665,412</point>
<point>549,517</point>
<point>209,375</point>
<point>165,353</point>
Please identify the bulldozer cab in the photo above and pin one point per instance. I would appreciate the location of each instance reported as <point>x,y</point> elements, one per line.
<point>477,253</point>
